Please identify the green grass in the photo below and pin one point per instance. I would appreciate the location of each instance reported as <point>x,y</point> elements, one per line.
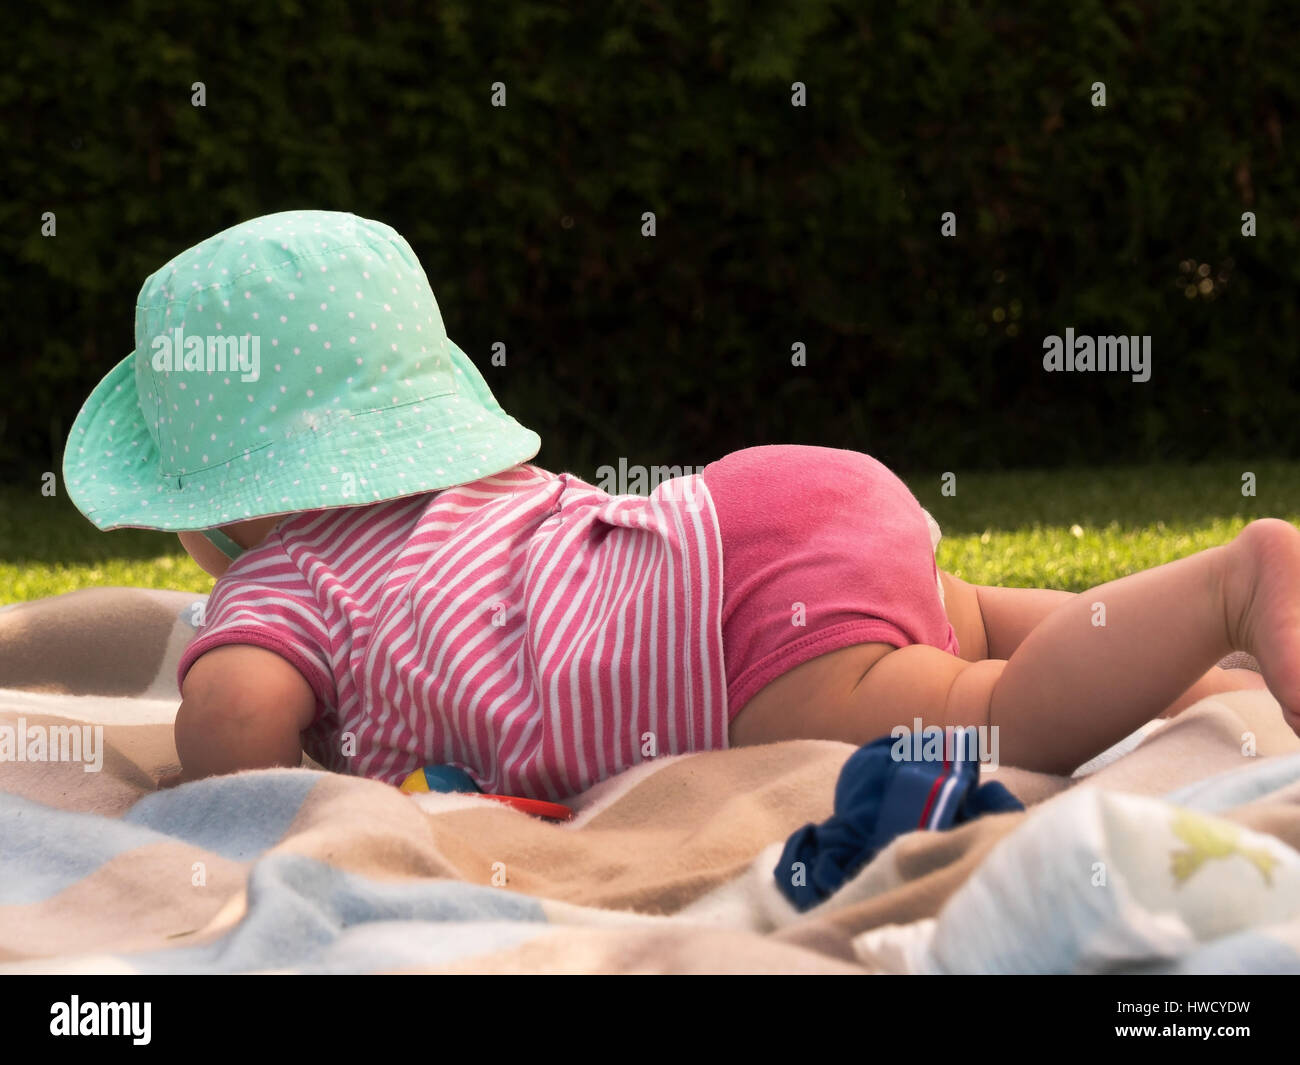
<point>1072,529</point>
<point>1076,529</point>
<point>48,548</point>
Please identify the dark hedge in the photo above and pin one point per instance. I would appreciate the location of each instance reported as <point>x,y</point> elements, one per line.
<point>775,224</point>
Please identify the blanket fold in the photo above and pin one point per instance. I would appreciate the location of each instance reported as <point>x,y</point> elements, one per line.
<point>1179,855</point>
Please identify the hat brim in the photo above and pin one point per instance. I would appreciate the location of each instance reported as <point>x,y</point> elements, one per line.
<point>112,469</point>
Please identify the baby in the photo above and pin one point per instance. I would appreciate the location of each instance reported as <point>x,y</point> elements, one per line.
<point>399,586</point>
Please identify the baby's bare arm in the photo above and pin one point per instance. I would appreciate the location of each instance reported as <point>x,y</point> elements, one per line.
<point>243,707</point>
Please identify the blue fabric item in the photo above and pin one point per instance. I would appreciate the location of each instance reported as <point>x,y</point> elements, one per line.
<point>891,786</point>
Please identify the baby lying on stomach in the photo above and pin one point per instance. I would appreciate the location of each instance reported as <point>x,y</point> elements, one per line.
<point>398,585</point>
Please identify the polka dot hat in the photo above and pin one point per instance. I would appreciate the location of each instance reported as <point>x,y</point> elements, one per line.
<point>293,362</point>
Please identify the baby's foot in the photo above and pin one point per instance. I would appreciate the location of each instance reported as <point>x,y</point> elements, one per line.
<point>1262,604</point>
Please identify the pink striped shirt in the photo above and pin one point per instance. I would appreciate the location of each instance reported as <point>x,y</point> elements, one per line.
<point>529,628</point>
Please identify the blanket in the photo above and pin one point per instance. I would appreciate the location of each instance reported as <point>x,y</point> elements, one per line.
<point>1177,852</point>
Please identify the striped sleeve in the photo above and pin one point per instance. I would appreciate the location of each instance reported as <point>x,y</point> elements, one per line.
<point>264,600</point>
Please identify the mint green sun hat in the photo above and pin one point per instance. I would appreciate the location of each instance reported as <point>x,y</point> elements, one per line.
<point>293,362</point>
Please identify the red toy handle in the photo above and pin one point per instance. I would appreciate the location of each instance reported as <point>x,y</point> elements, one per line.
<point>552,811</point>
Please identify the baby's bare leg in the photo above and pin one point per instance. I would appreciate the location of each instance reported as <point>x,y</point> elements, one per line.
<point>1075,685</point>
<point>1010,614</point>
<point>1114,657</point>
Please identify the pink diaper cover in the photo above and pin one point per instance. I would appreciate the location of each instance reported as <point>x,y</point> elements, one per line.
<point>821,549</point>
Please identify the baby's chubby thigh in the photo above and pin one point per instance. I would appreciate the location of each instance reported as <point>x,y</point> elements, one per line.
<point>805,703</point>
<point>859,693</point>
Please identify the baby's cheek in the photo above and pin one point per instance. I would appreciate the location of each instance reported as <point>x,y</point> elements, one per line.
<point>210,560</point>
